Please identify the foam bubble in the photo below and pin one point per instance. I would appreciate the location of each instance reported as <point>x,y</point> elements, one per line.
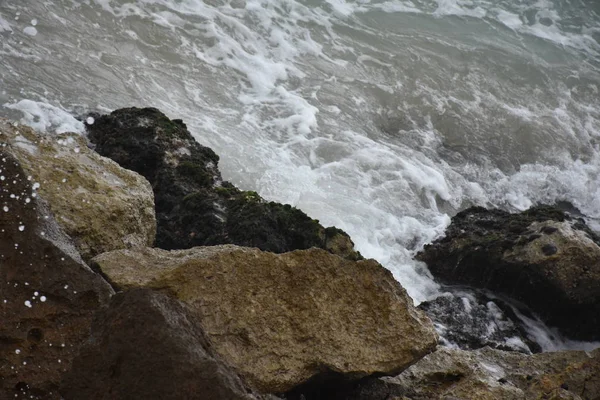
<point>30,31</point>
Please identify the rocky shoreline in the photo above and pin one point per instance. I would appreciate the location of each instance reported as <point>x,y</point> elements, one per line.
<point>130,269</point>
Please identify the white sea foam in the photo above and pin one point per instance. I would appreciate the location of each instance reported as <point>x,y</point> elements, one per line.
<point>45,117</point>
<point>4,25</point>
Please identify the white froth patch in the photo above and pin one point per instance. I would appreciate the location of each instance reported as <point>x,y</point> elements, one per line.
<point>4,25</point>
<point>513,21</point>
<point>459,8</point>
<point>46,118</point>
<point>30,31</point>
<point>397,7</point>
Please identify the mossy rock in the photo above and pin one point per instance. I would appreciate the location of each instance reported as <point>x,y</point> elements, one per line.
<point>542,257</point>
<point>194,206</point>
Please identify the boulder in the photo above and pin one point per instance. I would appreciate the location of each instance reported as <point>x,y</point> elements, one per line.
<point>146,345</point>
<point>488,374</point>
<point>282,319</point>
<point>194,206</point>
<point>100,205</point>
<point>541,257</point>
<point>47,293</point>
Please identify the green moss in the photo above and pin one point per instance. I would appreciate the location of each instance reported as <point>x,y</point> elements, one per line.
<point>195,172</point>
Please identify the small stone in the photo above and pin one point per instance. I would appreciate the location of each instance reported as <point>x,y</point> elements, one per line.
<point>549,249</point>
<point>548,230</point>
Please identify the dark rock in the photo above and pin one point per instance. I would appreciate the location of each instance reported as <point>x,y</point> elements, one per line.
<point>146,346</point>
<point>548,230</point>
<point>194,206</point>
<point>549,249</point>
<point>471,321</point>
<point>557,275</point>
<point>47,294</point>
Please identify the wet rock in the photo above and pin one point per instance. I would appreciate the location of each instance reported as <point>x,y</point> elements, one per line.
<point>47,294</point>
<point>488,374</point>
<point>282,319</point>
<point>194,206</point>
<point>470,320</point>
<point>557,275</point>
<point>146,345</point>
<point>100,205</point>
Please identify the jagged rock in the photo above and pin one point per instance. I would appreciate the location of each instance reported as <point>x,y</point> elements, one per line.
<point>488,374</point>
<point>282,319</point>
<point>100,205</point>
<point>194,206</point>
<point>47,294</point>
<point>471,321</point>
<point>541,257</point>
<point>146,345</point>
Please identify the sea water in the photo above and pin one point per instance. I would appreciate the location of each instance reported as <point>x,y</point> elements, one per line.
<point>383,118</point>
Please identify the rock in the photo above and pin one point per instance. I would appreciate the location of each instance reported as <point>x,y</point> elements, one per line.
<point>281,320</point>
<point>146,345</point>
<point>541,257</point>
<point>194,206</point>
<point>47,294</point>
<point>80,186</point>
<point>488,374</point>
<point>470,320</point>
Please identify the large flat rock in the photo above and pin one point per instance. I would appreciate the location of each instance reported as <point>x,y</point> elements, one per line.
<point>281,319</point>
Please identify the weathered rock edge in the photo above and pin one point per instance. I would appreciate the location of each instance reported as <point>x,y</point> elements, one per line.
<point>100,205</point>
<point>48,295</point>
<point>542,257</point>
<point>194,206</point>
<point>281,319</point>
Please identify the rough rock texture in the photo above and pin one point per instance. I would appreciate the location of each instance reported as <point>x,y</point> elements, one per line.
<point>47,294</point>
<point>541,257</point>
<point>488,374</point>
<point>471,321</point>
<point>81,186</point>
<point>194,206</point>
<point>283,319</point>
<point>147,346</point>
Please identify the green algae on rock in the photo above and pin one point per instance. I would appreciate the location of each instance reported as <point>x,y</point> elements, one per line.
<point>100,205</point>
<point>542,257</point>
<point>194,206</point>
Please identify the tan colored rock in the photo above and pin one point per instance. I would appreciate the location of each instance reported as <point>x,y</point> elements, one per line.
<point>281,319</point>
<point>489,374</point>
<point>100,205</point>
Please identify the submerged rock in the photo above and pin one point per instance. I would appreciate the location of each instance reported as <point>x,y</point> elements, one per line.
<point>194,206</point>
<point>282,319</point>
<point>470,320</point>
<point>146,345</point>
<point>541,257</point>
<point>100,205</point>
<point>47,294</point>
